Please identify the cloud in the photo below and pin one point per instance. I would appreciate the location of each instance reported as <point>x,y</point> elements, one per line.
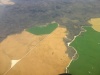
<point>6,2</point>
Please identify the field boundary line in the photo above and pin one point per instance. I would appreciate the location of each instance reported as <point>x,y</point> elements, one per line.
<point>31,49</point>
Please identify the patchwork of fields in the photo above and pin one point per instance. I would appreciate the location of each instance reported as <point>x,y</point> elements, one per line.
<point>37,54</point>
<point>40,50</point>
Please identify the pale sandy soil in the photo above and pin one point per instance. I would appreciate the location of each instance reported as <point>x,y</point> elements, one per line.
<point>6,2</point>
<point>95,23</point>
<point>5,62</point>
<point>14,47</point>
<point>47,58</point>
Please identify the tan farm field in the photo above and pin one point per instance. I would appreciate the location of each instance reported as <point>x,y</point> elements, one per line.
<point>14,47</point>
<point>39,55</point>
<point>95,23</point>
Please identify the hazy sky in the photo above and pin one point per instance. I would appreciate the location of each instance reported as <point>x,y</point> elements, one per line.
<point>6,2</point>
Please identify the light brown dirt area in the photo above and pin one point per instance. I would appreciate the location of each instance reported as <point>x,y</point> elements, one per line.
<point>47,58</point>
<point>6,2</point>
<point>14,47</point>
<point>95,23</point>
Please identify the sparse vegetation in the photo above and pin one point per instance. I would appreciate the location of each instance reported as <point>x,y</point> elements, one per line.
<point>26,13</point>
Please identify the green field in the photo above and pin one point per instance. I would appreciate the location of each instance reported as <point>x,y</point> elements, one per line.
<point>40,30</point>
<point>87,45</point>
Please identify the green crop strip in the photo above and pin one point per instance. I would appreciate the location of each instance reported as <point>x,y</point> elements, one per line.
<point>40,30</point>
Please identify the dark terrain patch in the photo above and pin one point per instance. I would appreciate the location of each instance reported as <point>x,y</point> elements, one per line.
<point>26,13</point>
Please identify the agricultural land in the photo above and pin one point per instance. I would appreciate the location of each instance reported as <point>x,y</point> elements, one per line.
<point>36,54</point>
<point>87,46</point>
